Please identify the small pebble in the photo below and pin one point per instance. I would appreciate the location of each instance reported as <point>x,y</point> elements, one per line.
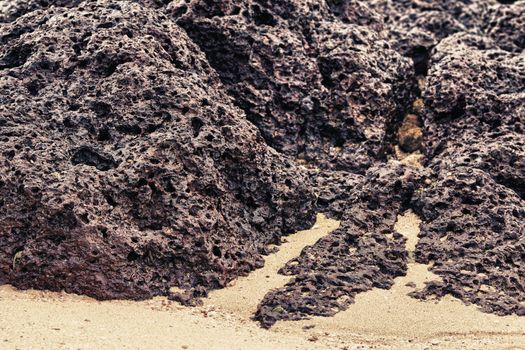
<point>313,338</point>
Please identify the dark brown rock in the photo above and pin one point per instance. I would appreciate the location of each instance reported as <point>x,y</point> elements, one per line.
<point>125,167</point>
<point>364,253</point>
<point>152,143</point>
<point>473,232</point>
<point>313,76</point>
<point>472,210</point>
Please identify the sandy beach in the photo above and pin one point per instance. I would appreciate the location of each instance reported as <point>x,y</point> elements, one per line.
<point>380,319</point>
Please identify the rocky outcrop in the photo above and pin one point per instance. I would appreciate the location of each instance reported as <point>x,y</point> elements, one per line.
<point>125,167</point>
<point>472,212</point>
<point>149,144</point>
<point>473,235</point>
<point>364,253</point>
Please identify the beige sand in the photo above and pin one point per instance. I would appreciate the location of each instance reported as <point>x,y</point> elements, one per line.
<point>380,319</point>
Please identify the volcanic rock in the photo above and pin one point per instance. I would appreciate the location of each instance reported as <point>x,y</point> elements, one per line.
<point>473,233</point>
<point>312,76</point>
<point>125,167</point>
<point>150,143</point>
<point>475,136</point>
<point>364,253</point>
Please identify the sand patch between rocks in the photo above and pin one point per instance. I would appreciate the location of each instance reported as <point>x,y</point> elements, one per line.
<point>243,296</point>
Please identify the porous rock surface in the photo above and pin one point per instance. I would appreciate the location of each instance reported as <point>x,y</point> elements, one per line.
<point>153,143</point>
<point>473,233</point>
<point>364,253</point>
<point>469,61</point>
<point>125,168</point>
<point>317,78</point>
<point>473,228</point>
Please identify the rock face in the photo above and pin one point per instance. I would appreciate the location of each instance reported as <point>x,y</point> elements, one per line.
<point>317,78</point>
<point>125,167</point>
<point>471,73</point>
<point>151,143</point>
<point>473,232</point>
<point>473,227</point>
<point>364,253</point>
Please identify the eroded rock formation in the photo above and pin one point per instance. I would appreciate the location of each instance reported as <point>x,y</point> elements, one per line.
<point>150,143</point>
<point>125,168</point>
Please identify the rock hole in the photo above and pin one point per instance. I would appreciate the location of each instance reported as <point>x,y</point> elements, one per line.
<point>104,134</point>
<point>216,251</point>
<point>142,182</point>
<point>110,200</point>
<point>457,111</point>
<point>263,17</point>
<point>85,155</point>
<point>33,87</point>
<point>130,129</point>
<point>106,25</point>
<point>104,232</point>
<point>127,32</point>
<point>421,57</point>
<point>168,186</point>
<point>133,256</point>
<point>180,11</point>
<point>9,154</point>
<point>111,66</point>
<point>84,218</point>
<point>101,109</point>
<point>196,124</point>
<point>16,57</point>
<point>151,128</point>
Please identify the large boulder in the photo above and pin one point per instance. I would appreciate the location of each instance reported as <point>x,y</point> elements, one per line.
<point>125,167</point>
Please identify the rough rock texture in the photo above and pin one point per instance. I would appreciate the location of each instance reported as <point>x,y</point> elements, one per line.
<point>473,87</point>
<point>125,167</point>
<point>473,114</point>
<point>10,10</point>
<point>416,26</point>
<point>335,190</point>
<point>473,211</point>
<point>317,80</point>
<point>364,253</point>
<point>504,25</point>
<point>473,232</point>
<point>152,143</point>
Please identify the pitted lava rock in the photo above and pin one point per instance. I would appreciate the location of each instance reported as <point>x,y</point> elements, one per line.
<point>125,168</point>
<point>473,233</point>
<point>317,78</point>
<point>473,212</point>
<point>364,253</point>
<point>335,190</point>
<point>473,87</point>
<point>156,143</point>
<point>473,136</point>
